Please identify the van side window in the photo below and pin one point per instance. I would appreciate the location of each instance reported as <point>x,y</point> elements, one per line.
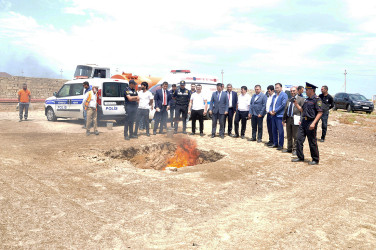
<point>64,91</point>
<point>76,89</point>
<point>112,89</point>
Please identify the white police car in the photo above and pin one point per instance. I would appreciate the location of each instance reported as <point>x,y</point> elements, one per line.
<point>67,102</point>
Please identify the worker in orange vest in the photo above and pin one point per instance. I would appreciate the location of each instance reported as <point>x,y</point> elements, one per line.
<point>90,105</point>
<point>24,99</point>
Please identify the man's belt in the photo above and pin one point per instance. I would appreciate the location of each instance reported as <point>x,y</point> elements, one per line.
<point>308,119</point>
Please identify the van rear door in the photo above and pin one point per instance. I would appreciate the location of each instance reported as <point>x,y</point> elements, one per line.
<point>112,98</point>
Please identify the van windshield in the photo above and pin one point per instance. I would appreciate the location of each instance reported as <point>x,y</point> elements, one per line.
<point>358,98</point>
<point>114,89</point>
<point>83,71</point>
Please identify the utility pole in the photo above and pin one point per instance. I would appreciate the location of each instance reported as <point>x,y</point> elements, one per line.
<point>61,73</point>
<point>222,75</point>
<point>345,80</point>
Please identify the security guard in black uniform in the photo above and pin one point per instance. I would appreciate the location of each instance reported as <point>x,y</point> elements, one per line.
<point>312,113</point>
<point>131,105</point>
<point>182,97</point>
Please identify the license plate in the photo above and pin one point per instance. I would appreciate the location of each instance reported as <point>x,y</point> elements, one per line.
<point>110,103</point>
<point>365,107</point>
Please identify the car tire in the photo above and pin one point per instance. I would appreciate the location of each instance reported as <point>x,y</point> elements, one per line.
<point>119,122</point>
<point>369,112</point>
<point>349,109</point>
<point>50,114</point>
<point>334,107</point>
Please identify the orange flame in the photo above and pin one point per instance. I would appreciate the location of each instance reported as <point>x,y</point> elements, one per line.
<point>186,154</point>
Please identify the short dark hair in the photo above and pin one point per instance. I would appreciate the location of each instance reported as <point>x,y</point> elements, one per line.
<point>258,86</point>
<point>270,87</point>
<point>145,84</point>
<point>173,85</point>
<point>229,85</point>
<point>193,84</point>
<point>325,87</point>
<point>219,84</point>
<point>165,83</point>
<point>244,87</point>
<point>300,87</point>
<point>86,83</point>
<point>198,85</point>
<point>278,84</point>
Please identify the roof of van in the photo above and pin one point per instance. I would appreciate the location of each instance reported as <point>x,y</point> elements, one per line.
<point>93,81</point>
<point>189,77</point>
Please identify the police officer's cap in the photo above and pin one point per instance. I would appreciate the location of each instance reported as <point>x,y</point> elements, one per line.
<point>182,82</point>
<point>310,86</point>
<point>132,82</point>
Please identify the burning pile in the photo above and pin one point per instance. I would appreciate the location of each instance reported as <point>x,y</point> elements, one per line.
<point>186,154</point>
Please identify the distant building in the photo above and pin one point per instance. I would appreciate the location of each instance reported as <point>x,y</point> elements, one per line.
<point>4,74</point>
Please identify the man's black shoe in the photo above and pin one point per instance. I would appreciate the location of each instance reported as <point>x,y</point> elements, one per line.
<point>134,136</point>
<point>185,132</point>
<point>294,153</point>
<point>201,134</point>
<point>192,133</point>
<point>230,134</point>
<point>322,140</point>
<point>297,160</point>
<point>273,146</point>
<point>259,140</point>
<point>269,144</point>
<point>222,136</point>
<point>212,136</point>
<point>286,151</point>
<point>147,134</point>
<point>126,138</point>
<point>313,163</point>
<point>280,148</point>
<point>242,137</point>
<point>154,132</point>
<point>253,139</point>
<point>175,132</point>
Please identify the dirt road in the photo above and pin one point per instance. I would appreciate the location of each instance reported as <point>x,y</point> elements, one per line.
<point>61,189</point>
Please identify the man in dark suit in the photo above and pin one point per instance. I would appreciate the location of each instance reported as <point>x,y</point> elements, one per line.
<point>218,109</point>
<point>232,97</point>
<point>257,110</point>
<point>291,118</point>
<point>277,108</point>
<point>162,100</point>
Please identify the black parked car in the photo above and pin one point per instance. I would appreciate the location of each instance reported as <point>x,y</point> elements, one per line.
<point>352,102</point>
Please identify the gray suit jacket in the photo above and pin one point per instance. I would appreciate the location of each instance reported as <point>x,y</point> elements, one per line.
<point>300,101</point>
<point>219,106</point>
<point>258,107</point>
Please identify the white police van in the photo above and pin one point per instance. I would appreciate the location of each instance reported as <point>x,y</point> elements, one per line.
<point>208,83</point>
<point>67,102</point>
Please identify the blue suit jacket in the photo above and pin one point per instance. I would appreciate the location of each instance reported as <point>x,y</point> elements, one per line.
<point>234,99</point>
<point>219,106</point>
<point>280,105</point>
<point>258,107</point>
<point>158,98</point>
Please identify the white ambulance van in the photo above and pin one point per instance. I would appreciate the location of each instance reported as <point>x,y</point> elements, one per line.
<point>208,83</point>
<point>67,102</point>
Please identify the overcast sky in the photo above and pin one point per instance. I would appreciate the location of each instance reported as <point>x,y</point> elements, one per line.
<point>254,42</point>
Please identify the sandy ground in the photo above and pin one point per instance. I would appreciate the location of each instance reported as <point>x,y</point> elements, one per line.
<point>59,189</point>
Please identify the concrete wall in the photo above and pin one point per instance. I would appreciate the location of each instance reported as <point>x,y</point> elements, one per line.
<point>40,88</point>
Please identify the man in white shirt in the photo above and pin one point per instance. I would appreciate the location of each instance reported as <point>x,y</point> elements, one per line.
<point>244,101</point>
<point>144,106</point>
<point>271,93</point>
<point>198,106</point>
<point>90,105</point>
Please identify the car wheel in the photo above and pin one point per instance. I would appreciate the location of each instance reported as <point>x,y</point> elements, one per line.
<point>334,107</point>
<point>369,112</point>
<point>349,109</point>
<point>119,122</point>
<point>51,115</point>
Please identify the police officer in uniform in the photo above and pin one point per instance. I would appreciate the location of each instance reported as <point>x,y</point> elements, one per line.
<point>182,97</point>
<point>131,105</point>
<point>312,113</point>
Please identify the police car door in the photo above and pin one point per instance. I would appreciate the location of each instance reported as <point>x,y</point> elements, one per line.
<point>112,98</point>
<point>76,97</point>
<point>63,101</point>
